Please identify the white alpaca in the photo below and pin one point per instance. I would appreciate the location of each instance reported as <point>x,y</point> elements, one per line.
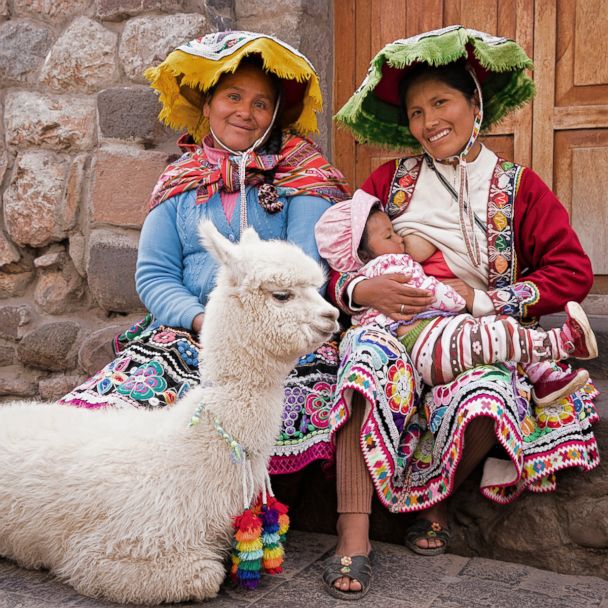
<point>135,505</point>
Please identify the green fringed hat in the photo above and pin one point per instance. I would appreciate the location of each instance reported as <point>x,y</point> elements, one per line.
<point>373,112</point>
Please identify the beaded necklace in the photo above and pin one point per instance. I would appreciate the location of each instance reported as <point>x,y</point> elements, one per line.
<point>238,454</point>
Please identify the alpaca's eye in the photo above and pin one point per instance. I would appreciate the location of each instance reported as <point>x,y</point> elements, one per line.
<point>282,296</point>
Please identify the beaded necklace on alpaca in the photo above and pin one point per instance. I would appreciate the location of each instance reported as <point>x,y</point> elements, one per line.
<point>259,532</point>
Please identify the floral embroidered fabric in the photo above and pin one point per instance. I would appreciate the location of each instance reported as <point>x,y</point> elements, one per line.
<point>155,367</point>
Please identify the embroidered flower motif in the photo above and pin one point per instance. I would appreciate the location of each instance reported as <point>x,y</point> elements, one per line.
<point>477,347</point>
<point>406,181</point>
<point>399,198</point>
<point>527,426</point>
<point>555,415</point>
<point>423,455</point>
<point>294,399</point>
<point>328,353</point>
<point>188,352</point>
<point>110,376</point>
<point>164,337</point>
<point>306,359</point>
<point>145,382</point>
<point>399,389</point>
<point>318,403</point>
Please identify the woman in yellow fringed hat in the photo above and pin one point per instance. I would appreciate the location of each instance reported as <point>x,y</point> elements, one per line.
<point>247,102</point>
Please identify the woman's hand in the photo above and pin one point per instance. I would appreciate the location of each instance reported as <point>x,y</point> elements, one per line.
<point>197,322</point>
<point>392,296</point>
<point>463,289</point>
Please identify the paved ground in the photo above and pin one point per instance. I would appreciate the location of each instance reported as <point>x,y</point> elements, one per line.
<point>401,580</point>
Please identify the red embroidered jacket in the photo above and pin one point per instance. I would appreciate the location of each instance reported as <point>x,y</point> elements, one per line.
<point>551,267</point>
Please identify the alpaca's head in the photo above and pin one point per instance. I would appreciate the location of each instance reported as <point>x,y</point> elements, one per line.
<point>266,297</point>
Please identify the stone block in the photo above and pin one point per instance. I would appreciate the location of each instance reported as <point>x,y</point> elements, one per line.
<point>8,252</point>
<point>14,284</point>
<point>8,353</point>
<point>50,9</point>
<point>36,208</point>
<point>59,291</point>
<point>74,66</point>
<point>55,387</point>
<point>119,9</point>
<point>588,521</point>
<point>16,381</point>
<point>73,190</point>
<point>146,41</point>
<point>287,26</point>
<point>260,8</point>
<point>128,113</point>
<point>51,346</point>
<point>77,250</point>
<point>96,350</point>
<point>23,47</point>
<point>111,270</point>
<point>12,318</point>
<point>55,257</point>
<point>58,122</point>
<point>3,161</point>
<point>123,178</point>
<point>316,42</point>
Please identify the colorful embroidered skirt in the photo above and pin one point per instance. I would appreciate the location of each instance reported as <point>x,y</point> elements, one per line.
<point>155,367</point>
<point>412,446</point>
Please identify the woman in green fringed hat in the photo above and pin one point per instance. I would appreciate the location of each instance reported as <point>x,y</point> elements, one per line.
<point>246,102</point>
<point>494,231</point>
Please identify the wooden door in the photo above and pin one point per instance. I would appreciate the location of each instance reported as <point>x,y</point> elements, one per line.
<point>563,135</point>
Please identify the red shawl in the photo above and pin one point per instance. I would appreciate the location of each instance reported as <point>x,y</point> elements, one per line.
<point>299,167</point>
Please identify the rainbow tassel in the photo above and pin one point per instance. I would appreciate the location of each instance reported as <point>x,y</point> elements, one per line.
<point>259,534</point>
<point>247,551</point>
<point>275,523</point>
<point>282,510</point>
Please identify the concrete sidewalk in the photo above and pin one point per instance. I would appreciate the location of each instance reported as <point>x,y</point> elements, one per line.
<point>401,580</point>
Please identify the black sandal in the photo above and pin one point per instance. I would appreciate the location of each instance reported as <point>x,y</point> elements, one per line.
<point>425,529</point>
<point>357,568</point>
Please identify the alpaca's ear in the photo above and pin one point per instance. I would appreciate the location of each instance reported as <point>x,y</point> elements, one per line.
<point>250,236</point>
<point>220,247</point>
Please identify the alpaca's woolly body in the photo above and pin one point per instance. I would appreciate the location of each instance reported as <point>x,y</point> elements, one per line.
<point>135,505</point>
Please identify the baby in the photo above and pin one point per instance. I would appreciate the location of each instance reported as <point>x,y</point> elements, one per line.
<point>444,340</point>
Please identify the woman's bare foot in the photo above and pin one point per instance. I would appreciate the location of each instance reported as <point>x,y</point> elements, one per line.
<point>437,513</point>
<point>353,539</point>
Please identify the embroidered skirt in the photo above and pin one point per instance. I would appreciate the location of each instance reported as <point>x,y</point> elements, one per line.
<point>155,367</point>
<point>412,446</point>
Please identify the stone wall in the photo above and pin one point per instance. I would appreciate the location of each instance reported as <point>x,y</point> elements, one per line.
<point>80,150</point>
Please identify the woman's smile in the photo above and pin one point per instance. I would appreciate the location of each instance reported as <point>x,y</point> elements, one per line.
<point>441,118</point>
<point>437,136</point>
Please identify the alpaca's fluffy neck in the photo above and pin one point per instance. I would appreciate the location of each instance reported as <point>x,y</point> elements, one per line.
<point>247,388</point>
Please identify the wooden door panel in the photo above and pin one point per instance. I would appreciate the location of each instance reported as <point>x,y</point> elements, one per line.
<point>581,183</point>
<point>581,71</point>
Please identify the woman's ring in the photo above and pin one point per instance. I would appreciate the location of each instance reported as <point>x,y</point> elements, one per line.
<point>401,309</point>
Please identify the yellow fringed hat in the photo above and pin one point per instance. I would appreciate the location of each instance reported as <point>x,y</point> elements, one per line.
<point>189,72</point>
